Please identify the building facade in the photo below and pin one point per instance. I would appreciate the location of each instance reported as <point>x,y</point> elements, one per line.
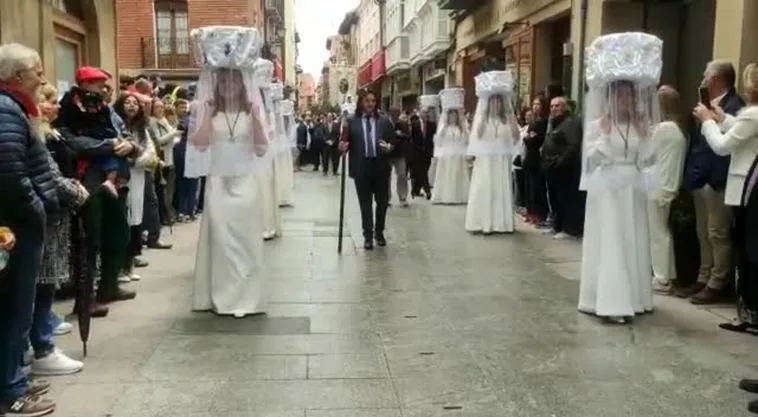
<point>67,34</point>
<point>543,41</point>
<point>338,70</point>
<point>370,43</point>
<point>306,90</point>
<point>291,40</point>
<point>154,37</point>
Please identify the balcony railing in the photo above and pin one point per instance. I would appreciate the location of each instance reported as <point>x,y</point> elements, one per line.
<point>463,5</point>
<point>167,53</point>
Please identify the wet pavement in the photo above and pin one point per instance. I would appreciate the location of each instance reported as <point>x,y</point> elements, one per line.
<point>439,323</point>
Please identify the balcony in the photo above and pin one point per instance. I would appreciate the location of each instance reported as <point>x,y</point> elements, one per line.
<point>435,29</point>
<point>167,53</point>
<point>461,5</point>
<point>398,55</point>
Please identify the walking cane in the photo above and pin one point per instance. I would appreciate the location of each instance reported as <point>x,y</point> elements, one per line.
<point>342,203</point>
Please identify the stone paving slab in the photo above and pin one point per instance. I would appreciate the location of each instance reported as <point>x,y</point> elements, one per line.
<point>438,324</point>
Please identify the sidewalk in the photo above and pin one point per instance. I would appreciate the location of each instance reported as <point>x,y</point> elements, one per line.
<point>439,323</point>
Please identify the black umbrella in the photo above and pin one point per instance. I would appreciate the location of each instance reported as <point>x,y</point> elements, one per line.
<point>342,203</point>
<point>83,280</point>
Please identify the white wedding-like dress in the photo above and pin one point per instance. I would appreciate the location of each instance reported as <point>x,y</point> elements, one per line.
<point>451,177</point>
<point>490,200</point>
<point>272,220</point>
<point>284,175</point>
<point>616,265</point>
<point>229,262</point>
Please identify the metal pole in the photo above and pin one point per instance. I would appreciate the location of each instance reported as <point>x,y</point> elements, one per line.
<point>342,202</point>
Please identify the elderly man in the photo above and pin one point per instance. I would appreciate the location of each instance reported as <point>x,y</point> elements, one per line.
<point>706,174</point>
<point>561,162</point>
<point>28,195</point>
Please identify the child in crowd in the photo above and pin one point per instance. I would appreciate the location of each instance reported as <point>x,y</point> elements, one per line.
<point>85,112</point>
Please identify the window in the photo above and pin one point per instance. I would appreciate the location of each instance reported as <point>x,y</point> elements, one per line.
<point>68,59</point>
<point>70,7</point>
<point>172,28</point>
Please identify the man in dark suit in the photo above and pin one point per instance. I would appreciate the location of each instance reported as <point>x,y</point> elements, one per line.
<point>310,141</point>
<point>370,138</point>
<point>330,155</point>
<point>423,129</point>
<point>705,175</point>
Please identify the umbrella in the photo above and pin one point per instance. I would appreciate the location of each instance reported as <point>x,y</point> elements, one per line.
<point>83,280</point>
<point>342,203</point>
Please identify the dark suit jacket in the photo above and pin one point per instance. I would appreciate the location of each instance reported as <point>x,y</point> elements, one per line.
<point>354,136</point>
<point>317,136</point>
<point>563,146</point>
<point>703,166</point>
<point>533,144</point>
<point>334,133</point>
<point>422,142</point>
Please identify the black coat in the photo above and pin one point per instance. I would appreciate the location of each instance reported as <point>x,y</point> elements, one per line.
<point>422,141</point>
<point>28,188</point>
<point>563,145</point>
<point>318,136</point>
<point>533,144</point>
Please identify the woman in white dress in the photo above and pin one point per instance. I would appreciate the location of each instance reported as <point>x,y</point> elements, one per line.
<point>621,109</point>
<point>272,221</point>
<point>284,176</point>
<point>494,134</point>
<point>227,142</point>
<point>450,143</point>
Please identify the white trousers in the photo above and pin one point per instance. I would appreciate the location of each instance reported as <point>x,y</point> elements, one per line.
<point>661,242</point>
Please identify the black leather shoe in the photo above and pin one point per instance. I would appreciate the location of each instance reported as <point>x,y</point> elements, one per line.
<point>368,244</point>
<point>749,385</point>
<point>380,240</point>
<point>752,406</point>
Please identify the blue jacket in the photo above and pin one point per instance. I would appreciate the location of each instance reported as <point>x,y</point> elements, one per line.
<point>702,165</point>
<point>28,189</point>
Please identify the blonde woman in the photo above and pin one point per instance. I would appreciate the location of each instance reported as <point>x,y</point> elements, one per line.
<point>671,146</point>
<point>54,270</point>
<point>166,136</point>
<point>737,137</point>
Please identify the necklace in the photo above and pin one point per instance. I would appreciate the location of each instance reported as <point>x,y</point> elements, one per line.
<point>232,126</point>
<point>624,137</point>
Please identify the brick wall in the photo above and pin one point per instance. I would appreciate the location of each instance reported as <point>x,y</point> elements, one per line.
<point>136,21</point>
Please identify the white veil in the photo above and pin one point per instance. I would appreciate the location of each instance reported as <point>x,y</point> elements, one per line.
<point>621,109</point>
<point>280,135</point>
<point>226,87</point>
<point>289,126</point>
<point>451,138</point>
<point>495,129</point>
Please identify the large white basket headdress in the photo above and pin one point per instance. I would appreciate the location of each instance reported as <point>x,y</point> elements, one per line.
<point>264,72</point>
<point>494,82</point>
<point>630,56</point>
<point>233,47</point>
<point>287,107</point>
<point>452,98</point>
<point>429,100</point>
<point>348,108</point>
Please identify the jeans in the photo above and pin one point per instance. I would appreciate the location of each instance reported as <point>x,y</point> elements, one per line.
<point>151,220</point>
<point>55,320</point>
<point>16,310</point>
<point>41,334</point>
<point>186,195</point>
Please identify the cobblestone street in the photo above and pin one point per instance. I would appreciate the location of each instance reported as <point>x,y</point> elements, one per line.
<point>438,323</point>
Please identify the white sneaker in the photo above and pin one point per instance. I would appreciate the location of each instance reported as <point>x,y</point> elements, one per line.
<point>124,279</point>
<point>134,277</point>
<point>63,328</point>
<point>56,363</point>
<point>561,236</point>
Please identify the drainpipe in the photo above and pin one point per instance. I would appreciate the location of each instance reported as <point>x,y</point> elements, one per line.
<point>582,39</point>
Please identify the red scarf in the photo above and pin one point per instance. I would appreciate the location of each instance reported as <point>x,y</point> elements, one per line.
<point>29,105</point>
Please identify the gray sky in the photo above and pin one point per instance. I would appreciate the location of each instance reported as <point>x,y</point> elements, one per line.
<point>316,20</point>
